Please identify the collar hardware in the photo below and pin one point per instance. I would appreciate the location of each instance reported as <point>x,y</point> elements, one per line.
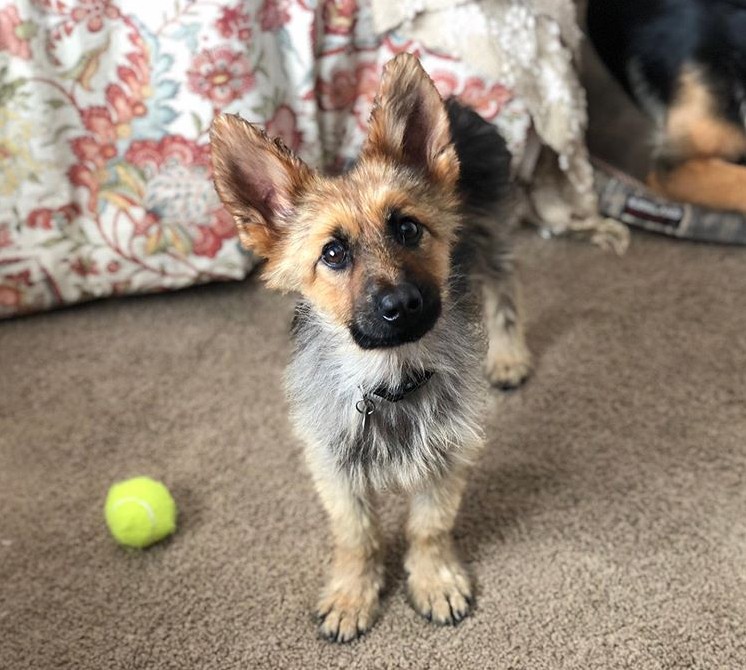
<point>410,384</point>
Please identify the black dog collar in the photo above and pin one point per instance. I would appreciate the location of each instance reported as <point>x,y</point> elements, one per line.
<point>410,384</point>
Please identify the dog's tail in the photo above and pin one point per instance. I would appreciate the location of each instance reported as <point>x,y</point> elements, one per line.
<point>486,189</point>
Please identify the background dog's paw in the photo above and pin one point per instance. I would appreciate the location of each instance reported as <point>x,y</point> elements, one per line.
<point>442,596</point>
<point>344,616</point>
<point>510,369</point>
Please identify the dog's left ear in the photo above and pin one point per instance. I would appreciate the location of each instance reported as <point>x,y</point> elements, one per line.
<point>409,123</point>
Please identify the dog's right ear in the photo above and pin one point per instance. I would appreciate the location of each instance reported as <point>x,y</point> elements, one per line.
<point>258,179</point>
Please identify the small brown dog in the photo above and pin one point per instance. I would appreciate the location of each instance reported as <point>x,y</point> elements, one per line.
<point>385,385</point>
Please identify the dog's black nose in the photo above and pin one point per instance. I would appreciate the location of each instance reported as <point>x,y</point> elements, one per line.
<point>400,303</point>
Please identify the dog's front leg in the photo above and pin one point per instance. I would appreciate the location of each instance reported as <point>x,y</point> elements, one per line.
<point>349,601</point>
<point>438,585</point>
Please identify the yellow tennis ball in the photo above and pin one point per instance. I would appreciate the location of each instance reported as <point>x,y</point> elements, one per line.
<point>140,512</point>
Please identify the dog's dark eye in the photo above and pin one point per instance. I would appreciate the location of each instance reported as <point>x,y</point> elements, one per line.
<point>408,231</point>
<point>335,254</point>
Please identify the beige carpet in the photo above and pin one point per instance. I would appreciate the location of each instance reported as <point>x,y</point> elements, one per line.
<point>606,527</point>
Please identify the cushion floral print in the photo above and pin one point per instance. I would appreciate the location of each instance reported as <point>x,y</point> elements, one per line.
<point>105,109</point>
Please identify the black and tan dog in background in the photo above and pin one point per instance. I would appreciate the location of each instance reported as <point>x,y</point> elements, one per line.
<point>398,263</point>
<point>684,63</point>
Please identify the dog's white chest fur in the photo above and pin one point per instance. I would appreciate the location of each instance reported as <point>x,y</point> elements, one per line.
<point>399,444</point>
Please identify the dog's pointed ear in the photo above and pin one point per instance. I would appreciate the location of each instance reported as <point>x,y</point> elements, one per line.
<point>258,180</point>
<point>409,123</point>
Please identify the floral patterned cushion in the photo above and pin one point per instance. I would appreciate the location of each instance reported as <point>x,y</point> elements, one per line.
<point>105,109</point>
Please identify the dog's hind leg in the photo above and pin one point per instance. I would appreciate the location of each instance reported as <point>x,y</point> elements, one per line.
<point>508,362</point>
<point>349,602</point>
<point>492,213</point>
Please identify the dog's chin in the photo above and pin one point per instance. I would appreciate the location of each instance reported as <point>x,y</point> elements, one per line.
<point>369,339</point>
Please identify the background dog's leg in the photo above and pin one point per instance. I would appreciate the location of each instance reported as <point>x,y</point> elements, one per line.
<point>710,182</point>
<point>350,599</point>
<point>438,585</point>
<point>508,358</point>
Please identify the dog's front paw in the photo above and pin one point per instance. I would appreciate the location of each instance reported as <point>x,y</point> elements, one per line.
<point>440,591</point>
<point>345,614</point>
<point>509,368</point>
